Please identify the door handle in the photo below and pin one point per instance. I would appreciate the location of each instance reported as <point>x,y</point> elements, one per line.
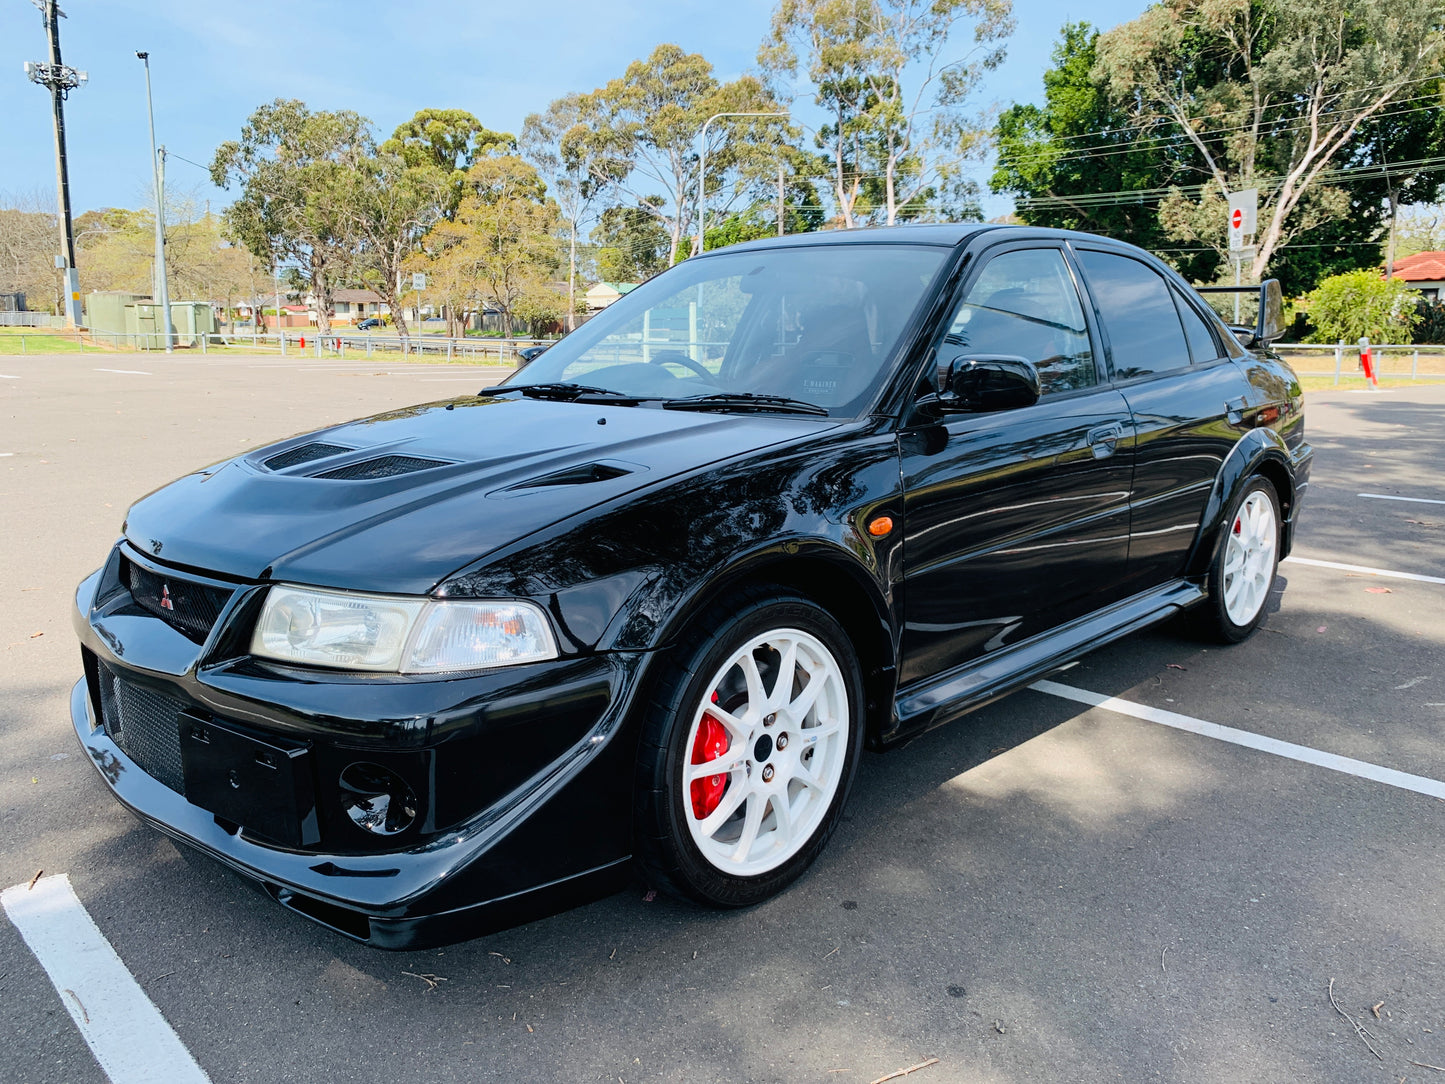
<point>1104,439</point>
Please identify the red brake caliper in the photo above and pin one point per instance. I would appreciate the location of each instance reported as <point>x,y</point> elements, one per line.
<point>711,743</point>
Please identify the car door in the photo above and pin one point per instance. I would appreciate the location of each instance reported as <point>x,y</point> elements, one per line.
<point>1014,521</point>
<point>1186,396</point>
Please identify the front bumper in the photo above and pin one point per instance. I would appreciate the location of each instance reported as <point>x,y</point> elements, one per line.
<point>523,778</point>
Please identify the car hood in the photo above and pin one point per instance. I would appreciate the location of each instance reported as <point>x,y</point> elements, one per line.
<point>396,502</point>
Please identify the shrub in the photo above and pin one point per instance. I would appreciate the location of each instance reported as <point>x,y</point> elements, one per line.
<point>1431,328</point>
<point>1344,307</point>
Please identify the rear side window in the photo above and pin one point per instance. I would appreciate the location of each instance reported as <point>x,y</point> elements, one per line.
<point>1201,342</point>
<point>1138,314</point>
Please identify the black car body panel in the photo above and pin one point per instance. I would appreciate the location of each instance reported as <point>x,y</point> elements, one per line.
<point>1015,541</point>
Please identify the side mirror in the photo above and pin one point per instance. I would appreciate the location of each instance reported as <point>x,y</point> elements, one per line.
<point>982,383</point>
<point>528,354</point>
<point>1270,325</point>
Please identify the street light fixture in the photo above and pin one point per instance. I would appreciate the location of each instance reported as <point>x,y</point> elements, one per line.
<point>158,178</point>
<point>702,169</point>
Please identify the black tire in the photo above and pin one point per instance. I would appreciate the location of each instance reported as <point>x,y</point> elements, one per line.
<point>1212,618</point>
<point>669,857</point>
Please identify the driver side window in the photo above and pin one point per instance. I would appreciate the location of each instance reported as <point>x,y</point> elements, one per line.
<point>1024,304</point>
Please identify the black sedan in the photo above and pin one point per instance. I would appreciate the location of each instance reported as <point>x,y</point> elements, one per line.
<point>450,667</point>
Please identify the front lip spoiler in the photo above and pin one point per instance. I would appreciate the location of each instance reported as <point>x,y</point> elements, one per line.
<point>389,915</point>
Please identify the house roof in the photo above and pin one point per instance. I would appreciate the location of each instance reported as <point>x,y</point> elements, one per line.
<point>371,297</point>
<point>1421,267</point>
<point>617,287</point>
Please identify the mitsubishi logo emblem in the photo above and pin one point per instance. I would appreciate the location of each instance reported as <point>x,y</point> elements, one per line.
<point>166,603</point>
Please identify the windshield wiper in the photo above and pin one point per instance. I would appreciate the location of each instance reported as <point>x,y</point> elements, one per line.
<point>565,392</point>
<point>747,401</point>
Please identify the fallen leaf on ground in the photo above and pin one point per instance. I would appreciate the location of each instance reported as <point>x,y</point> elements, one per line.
<point>1175,666</point>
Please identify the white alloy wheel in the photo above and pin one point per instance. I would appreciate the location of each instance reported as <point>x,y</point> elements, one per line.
<point>1249,558</point>
<point>766,751</point>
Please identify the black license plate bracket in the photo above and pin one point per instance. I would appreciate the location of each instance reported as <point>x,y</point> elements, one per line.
<point>263,784</point>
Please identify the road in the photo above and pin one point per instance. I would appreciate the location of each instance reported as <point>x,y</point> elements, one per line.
<point>1045,891</point>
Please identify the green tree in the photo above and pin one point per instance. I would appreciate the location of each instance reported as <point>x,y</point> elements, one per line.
<point>1070,162</point>
<point>29,240</point>
<point>448,140</point>
<point>632,245</point>
<point>1345,307</point>
<point>641,133</point>
<point>1270,94</point>
<point>291,165</point>
<point>899,134</point>
<point>389,205</point>
<point>501,246</point>
<point>559,142</point>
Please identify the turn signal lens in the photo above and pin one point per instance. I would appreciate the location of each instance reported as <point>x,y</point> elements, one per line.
<point>880,526</point>
<point>457,635</point>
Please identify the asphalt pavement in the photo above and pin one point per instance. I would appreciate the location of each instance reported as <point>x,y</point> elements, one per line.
<point>1044,891</point>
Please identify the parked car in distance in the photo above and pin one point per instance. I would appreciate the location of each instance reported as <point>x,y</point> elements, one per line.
<point>370,323</point>
<point>644,605</point>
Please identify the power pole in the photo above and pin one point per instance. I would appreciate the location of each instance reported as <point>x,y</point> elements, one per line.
<point>60,80</point>
<point>780,199</point>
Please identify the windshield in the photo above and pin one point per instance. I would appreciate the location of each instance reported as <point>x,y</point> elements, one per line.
<point>816,324</point>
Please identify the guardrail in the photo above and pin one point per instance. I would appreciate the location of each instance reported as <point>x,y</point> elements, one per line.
<point>1434,357</point>
<point>339,344</point>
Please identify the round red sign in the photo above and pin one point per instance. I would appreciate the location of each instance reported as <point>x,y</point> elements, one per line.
<point>1236,218</point>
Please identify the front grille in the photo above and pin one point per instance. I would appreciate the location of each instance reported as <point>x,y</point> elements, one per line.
<point>187,606</point>
<point>383,467</point>
<point>145,723</point>
<point>304,454</point>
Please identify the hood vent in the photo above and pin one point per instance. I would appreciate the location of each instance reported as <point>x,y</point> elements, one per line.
<point>573,476</point>
<point>386,466</point>
<point>294,457</point>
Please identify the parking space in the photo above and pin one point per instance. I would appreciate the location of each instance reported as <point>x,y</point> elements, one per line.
<point>1044,891</point>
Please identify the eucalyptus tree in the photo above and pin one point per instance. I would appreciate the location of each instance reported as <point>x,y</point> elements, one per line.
<point>640,133</point>
<point>895,77</point>
<point>291,165</point>
<point>1272,95</point>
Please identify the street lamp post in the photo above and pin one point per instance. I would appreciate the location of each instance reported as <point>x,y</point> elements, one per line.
<point>162,290</point>
<point>702,169</point>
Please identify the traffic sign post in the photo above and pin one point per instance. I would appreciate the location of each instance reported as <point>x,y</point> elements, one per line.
<point>1243,214</point>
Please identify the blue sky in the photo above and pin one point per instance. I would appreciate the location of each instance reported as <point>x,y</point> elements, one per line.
<point>213,62</point>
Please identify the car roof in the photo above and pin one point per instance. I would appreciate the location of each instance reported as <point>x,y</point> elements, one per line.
<point>934,233</point>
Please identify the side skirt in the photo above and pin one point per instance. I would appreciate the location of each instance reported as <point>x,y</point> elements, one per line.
<point>942,699</point>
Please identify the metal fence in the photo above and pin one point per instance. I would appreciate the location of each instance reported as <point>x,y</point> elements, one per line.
<point>1393,361</point>
<point>294,343</point>
<point>30,319</point>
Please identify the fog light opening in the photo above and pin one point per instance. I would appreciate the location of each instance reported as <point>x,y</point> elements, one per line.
<point>377,799</point>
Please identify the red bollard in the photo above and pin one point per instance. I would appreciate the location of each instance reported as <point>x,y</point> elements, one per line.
<point>303,342</point>
<point>1367,363</point>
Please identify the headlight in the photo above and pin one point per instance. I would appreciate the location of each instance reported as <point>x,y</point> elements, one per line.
<point>398,635</point>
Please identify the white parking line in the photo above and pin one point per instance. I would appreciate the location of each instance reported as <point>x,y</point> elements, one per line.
<point>1410,500</point>
<point>1303,753</point>
<point>125,1031</point>
<point>127,372</point>
<point>7,376</point>
<point>1365,569</point>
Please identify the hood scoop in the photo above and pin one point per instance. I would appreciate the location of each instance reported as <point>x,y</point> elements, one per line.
<point>579,475</point>
<point>305,453</point>
<point>385,466</point>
